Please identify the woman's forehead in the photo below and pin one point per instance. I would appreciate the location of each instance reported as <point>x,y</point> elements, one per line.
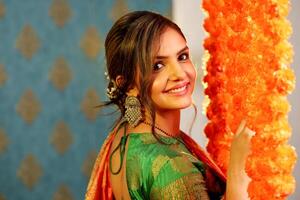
<point>170,43</point>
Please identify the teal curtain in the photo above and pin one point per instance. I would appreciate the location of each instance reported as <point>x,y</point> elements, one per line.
<point>51,77</point>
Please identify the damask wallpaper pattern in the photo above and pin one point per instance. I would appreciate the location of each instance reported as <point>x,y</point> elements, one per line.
<point>51,77</point>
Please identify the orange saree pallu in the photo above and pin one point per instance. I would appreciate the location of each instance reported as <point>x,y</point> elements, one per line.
<point>99,187</point>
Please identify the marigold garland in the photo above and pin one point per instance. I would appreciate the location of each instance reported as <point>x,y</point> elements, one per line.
<point>248,76</point>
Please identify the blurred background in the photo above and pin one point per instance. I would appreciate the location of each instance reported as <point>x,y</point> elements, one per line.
<point>52,74</point>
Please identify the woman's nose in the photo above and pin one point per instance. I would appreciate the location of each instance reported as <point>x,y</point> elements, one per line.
<point>176,71</point>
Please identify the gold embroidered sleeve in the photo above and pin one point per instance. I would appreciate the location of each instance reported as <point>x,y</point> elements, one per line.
<point>178,179</point>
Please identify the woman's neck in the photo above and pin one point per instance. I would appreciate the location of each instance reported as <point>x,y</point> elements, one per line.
<point>168,121</point>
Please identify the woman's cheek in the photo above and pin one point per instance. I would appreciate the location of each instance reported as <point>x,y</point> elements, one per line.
<point>193,76</point>
<point>191,72</point>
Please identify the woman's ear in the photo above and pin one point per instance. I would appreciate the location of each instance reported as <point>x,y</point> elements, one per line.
<point>119,81</point>
<point>133,91</point>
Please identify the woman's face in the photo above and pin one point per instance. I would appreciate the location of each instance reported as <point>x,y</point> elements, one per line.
<point>174,73</point>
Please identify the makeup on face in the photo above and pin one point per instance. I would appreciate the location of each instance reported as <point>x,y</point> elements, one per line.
<point>174,73</point>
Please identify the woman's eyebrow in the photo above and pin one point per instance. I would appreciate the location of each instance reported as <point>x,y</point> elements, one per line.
<point>179,52</point>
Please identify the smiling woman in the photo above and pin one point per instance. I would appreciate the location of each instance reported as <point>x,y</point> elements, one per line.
<point>146,155</point>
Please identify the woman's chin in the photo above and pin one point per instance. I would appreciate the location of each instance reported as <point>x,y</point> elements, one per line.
<point>177,105</point>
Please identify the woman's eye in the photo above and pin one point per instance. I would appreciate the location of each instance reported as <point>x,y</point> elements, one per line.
<point>183,56</point>
<point>157,66</point>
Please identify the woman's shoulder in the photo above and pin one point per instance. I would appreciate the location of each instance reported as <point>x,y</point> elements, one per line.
<point>153,167</point>
<point>145,151</point>
<point>147,143</point>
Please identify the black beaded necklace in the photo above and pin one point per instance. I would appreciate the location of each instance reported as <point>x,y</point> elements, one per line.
<point>163,131</point>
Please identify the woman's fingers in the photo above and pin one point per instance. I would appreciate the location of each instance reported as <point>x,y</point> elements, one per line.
<point>241,143</point>
<point>241,127</point>
<point>249,132</point>
<point>244,130</point>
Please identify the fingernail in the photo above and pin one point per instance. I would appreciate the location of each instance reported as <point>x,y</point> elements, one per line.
<point>251,133</point>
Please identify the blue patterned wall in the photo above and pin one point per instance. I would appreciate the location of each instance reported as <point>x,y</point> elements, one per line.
<point>51,76</point>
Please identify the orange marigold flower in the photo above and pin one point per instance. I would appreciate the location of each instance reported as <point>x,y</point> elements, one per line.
<point>248,76</point>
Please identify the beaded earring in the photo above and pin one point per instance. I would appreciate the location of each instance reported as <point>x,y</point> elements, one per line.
<point>133,113</point>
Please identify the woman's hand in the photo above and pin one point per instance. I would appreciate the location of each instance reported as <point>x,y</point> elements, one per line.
<point>237,179</point>
<point>241,146</point>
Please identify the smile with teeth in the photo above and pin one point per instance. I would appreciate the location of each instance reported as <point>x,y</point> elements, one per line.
<point>178,89</point>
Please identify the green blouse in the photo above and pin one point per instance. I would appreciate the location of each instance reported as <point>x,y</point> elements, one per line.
<point>166,171</point>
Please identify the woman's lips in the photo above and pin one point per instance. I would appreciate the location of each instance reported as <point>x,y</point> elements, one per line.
<point>178,89</point>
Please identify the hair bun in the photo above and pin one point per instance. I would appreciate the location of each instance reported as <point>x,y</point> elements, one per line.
<point>113,91</point>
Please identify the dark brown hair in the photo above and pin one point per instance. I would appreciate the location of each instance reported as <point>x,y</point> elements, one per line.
<point>130,48</point>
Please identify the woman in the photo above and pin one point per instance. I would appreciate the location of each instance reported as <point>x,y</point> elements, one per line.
<point>146,156</point>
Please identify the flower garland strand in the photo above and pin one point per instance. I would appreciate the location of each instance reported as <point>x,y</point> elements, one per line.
<point>247,76</point>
